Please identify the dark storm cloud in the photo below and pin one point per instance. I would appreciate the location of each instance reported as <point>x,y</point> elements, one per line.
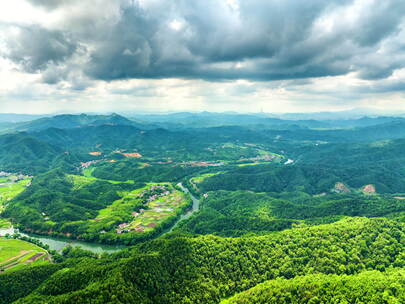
<point>34,47</point>
<point>379,22</point>
<point>266,39</point>
<point>218,40</point>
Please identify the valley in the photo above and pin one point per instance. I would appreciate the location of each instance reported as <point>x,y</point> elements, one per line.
<point>202,152</point>
<point>199,215</point>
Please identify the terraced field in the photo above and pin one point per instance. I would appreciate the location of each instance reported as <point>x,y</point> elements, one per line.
<point>15,254</point>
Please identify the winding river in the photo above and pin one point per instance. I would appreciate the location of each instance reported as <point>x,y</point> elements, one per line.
<point>194,208</point>
<point>58,244</point>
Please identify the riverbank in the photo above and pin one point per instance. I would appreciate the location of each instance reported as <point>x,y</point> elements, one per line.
<point>56,243</point>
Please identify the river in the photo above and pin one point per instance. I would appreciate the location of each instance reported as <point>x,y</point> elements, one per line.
<point>58,244</point>
<point>194,208</point>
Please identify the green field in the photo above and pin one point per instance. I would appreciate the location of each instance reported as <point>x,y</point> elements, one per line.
<point>4,223</point>
<point>160,209</point>
<point>88,172</point>
<point>10,189</point>
<point>194,181</point>
<point>15,254</point>
<point>200,178</point>
<point>80,181</point>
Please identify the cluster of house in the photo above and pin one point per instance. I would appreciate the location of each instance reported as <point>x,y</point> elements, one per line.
<point>340,188</point>
<point>95,153</point>
<point>126,227</point>
<point>128,154</point>
<point>4,174</point>
<point>153,193</point>
<point>85,165</point>
<point>133,154</point>
<point>12,177</point>
<point>154,197</point>
<point>164,162</point>
<point>266,157</point>
<point>202,164</point>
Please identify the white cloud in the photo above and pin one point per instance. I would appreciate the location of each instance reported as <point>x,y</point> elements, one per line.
<point>201,55</point>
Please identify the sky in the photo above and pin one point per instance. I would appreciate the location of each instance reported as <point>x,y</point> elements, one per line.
<point>130,56</point>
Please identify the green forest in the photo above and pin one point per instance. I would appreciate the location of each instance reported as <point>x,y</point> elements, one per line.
<point>250,212</point>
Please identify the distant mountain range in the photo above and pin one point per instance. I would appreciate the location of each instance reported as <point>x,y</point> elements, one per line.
<point>184,120</point>
<point>260,120</point>
<point>69,121</point>
<point>36,144</point>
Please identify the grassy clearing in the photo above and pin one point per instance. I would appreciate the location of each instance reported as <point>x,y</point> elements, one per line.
<point>194,181</point>
<point>15,254</point>
<point>4,223</point>
<point>200,178</point>
<point>10,189</point>
<point>88,172</point>
<point>80,181</point>
<point>267,153</point>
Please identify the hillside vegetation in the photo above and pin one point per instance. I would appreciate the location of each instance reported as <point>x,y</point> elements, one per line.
<point>261,211</point>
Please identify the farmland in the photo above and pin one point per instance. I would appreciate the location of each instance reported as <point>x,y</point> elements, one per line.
<point>287,211</point>
<point>15,254</point>
<point>141,210</point>
<point>11,186</point>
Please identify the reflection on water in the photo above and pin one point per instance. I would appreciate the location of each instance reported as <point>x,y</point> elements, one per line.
<point>58,243</point>
<point>194,208</point>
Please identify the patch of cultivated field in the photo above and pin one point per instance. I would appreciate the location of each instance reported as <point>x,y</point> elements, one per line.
<point>141,210</point>
<point>10,189</point>
<point>15,254</point>
<point>254,164</point>
<point>81,181</point>
<point>200,178</point>
<point>159,210</point>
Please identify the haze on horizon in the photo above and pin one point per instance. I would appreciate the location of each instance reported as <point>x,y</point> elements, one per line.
<point>212,55</point>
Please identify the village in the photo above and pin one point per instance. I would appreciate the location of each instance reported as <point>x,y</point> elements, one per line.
<point>12,177</point>
<point>159,202</point>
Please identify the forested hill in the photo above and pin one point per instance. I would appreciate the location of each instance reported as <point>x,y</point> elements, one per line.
<point>371,287</point>
<point>48,137</point>
<point>259,120</point>
<point>281,213</point>
<point>68,121</point>
<point>180,269</point>
<point>24,153</point>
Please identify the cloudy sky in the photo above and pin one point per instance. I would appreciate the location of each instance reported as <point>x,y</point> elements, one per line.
<point>195,55</point>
